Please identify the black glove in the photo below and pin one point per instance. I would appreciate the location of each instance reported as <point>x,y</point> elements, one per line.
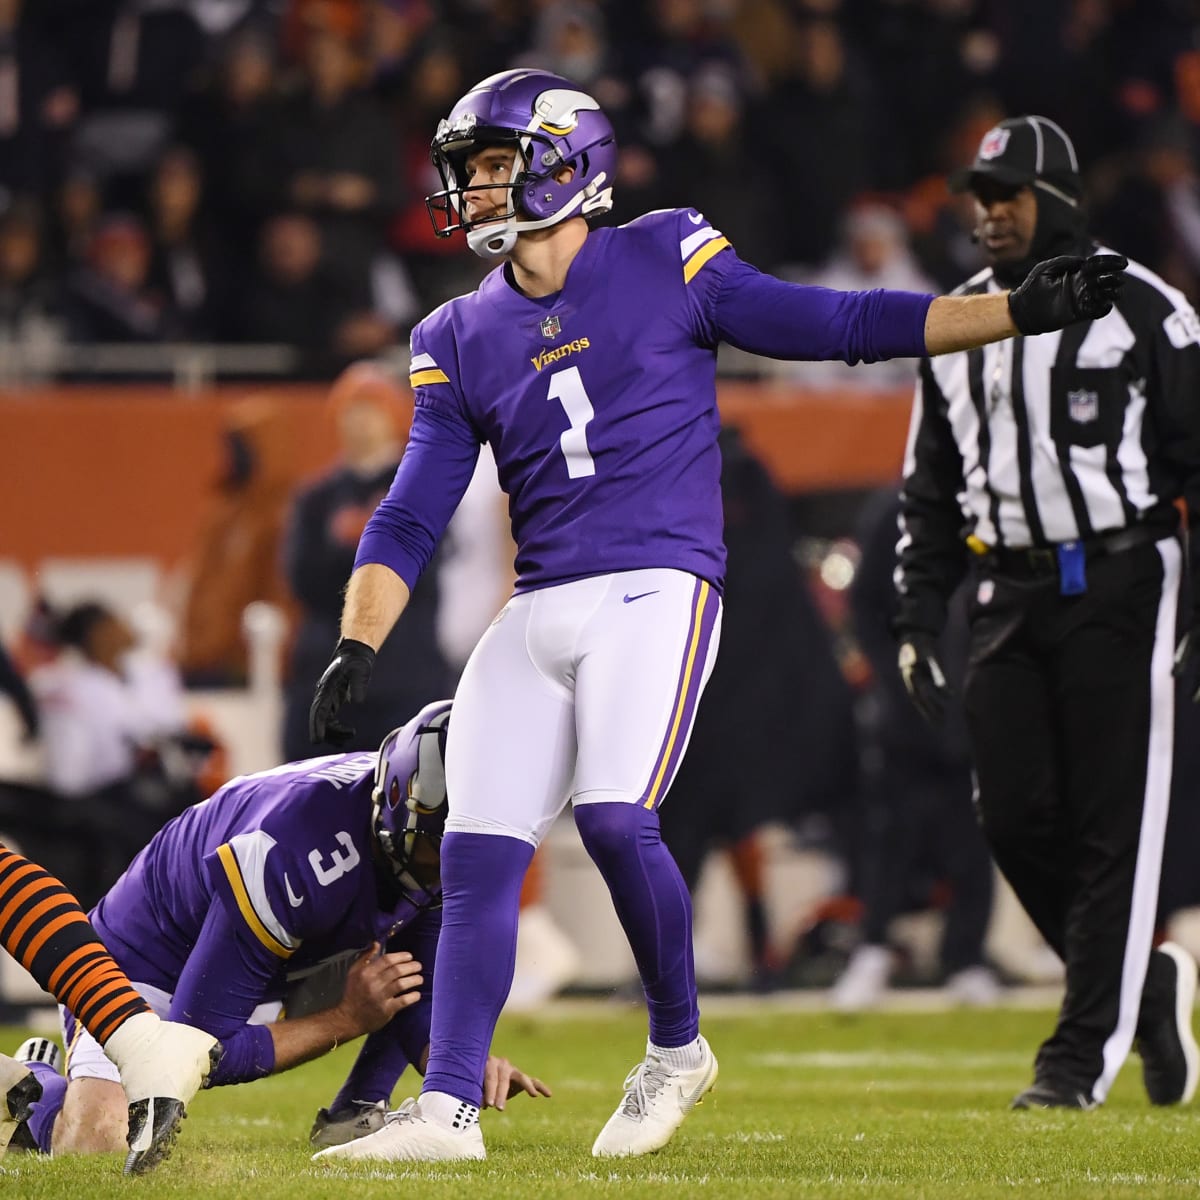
<point>1187,662</point>
<point>1061,291</point>
<point>923,677</point>
<point>345,678</point>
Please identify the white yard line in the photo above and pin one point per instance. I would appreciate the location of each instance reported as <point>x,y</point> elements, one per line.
<point>814,1000</point>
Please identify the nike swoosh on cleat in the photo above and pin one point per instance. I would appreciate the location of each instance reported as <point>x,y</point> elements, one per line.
<point>686,1101</point>
<point>630,599</point>
<point>294,900</point>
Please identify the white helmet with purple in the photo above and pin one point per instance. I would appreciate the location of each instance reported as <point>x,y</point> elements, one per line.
<point>552,124</point>
<point>408,799</point>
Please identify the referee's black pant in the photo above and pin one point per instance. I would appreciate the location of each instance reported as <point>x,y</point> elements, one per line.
<point>1070,708</point>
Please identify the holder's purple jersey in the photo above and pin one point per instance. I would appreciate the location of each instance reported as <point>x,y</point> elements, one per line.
<point>270,876</point>
<point>599,402</point>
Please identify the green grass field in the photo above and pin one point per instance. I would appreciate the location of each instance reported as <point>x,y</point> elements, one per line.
<point>808,1104</point>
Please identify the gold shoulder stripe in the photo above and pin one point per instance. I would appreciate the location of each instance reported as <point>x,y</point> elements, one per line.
<point>702,256</point>
<point>435,375</point>
<point>260,931</point>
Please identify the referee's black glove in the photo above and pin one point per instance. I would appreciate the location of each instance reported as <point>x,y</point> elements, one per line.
<point>923,677</point>
<point>1187,662</point>
<point>1061,291</point>
<point>345,678</point>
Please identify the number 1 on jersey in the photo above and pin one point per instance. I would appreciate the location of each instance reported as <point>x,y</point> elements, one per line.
<point>567,388</point>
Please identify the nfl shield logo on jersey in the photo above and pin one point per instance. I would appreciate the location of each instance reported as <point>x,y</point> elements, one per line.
<point>1083,406</point>
<point>551,326</point>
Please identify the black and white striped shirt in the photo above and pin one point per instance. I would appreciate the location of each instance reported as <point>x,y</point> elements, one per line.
<point>1039,440</point>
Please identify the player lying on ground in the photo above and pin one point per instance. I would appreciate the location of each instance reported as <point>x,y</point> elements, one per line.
<point>279,884</point>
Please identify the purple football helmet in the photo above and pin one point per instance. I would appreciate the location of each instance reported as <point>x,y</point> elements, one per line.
<point>407,804</point>
<point>552,124</point>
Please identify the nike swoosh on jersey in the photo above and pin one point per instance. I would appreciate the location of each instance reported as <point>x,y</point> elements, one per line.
<point>294,900</point>
<point>695,218</point>
<point>630,599</point>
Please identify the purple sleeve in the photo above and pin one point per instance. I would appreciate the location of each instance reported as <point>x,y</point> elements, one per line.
<point>438,463</point>
<point>764,315</point>
<point>249,1054</point>
<point>226,977</point>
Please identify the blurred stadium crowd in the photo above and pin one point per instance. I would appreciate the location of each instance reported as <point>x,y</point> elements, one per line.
<point>254,171</point>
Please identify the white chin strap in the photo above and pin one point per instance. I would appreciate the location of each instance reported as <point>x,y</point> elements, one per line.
<point>496,241</point>
<point>493,242</point>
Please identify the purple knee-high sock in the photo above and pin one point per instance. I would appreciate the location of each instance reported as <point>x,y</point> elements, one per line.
<point>481,894</point>
<point>654,909</point>
<point>43,1113</point>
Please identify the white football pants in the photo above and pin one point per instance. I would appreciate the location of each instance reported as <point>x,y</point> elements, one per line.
<point>585,691</point>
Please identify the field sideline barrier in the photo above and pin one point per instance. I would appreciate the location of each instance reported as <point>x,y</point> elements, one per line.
<point>129,470</point>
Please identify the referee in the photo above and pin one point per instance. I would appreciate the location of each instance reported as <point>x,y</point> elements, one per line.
<point>1050,465</point>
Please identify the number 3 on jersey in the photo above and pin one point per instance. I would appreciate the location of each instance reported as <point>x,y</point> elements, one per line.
<point>339,862</point>
<point>567,388</point>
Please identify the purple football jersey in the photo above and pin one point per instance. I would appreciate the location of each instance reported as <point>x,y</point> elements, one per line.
<point>288,852</point>
<point>599,402</point>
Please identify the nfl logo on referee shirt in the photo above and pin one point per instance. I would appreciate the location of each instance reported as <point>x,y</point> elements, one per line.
<point>551,326</point>
<point>1083,406</point>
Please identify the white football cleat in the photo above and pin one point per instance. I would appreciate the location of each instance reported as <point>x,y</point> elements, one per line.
<point>408,1136</point>
<point>336,1129</point>
<point>40,1050</point>
<point>163,1065</point>
<point>20,1089</point>
<point>862,984</point>
<point>657,1098</point>
<point>974,987</point>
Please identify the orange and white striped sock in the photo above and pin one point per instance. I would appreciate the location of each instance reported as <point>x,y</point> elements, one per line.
<point>44,928</point>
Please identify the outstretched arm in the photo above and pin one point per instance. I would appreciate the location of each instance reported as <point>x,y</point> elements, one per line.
<point>1055,294</point>
<point>764,315</point>
<point>962,322</point>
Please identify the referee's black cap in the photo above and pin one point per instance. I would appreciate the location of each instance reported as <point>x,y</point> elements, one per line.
<point>1025,150</point>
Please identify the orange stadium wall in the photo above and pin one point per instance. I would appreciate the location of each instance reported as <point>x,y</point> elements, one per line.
<point>129,471</point>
